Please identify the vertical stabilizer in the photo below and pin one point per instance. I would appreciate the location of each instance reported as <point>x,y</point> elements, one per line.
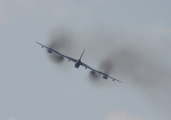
<point>82,54</point>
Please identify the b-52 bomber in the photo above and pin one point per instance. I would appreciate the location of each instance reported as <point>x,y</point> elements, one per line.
<point>78,62</point>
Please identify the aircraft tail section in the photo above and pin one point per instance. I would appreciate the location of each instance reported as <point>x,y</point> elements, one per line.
<point>82,54</point>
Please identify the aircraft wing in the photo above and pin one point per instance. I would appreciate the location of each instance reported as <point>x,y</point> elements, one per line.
<point>108,76</point>
<point>86,66</point>
<point>99,72</point>
<point>52,50</point>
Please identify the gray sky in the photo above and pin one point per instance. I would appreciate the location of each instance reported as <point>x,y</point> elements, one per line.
<point>134,36</point>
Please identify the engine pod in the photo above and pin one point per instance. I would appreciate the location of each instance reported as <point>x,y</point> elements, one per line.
<point>49,51</point>
<point>105,77</point>
<point>92,72</point>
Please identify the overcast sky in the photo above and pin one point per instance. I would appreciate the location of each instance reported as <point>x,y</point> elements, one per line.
<point>132,36</point>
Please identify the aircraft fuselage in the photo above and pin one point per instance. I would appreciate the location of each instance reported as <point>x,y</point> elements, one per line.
<point>77,64</point>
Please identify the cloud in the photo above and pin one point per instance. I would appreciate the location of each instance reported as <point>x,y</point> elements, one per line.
<point>3,12</point>
<point>123,116</point>
<point>160,30</point>
<point>25,3</point>
<point>9,9</point>
<point>12,118</point>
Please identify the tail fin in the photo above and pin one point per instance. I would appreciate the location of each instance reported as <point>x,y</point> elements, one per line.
<point>82,54</point>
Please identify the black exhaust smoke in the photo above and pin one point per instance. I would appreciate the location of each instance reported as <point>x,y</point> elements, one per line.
<point>61,41</point>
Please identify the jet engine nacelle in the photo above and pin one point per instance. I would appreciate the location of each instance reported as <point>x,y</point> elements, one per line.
<point>105,77</point>
<point>49,51</point>
<point>92,72</point>
<point>61,57</point>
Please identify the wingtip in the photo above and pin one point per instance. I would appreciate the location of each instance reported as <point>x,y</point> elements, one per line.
<point>38,43</point>
<point>117,80</point>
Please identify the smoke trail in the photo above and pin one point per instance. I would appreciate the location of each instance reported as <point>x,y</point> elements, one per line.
<point>62,41</point>
<point>131,59</point>
<point>141,69</point>
<point>94,78</point>
<point>107,66</point>
<point>127,55</point>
